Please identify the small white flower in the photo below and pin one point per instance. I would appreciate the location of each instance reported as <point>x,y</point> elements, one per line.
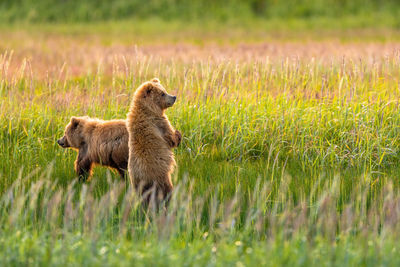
<point>205,235</point>
<point>103,250</point>
<point>238,243</point>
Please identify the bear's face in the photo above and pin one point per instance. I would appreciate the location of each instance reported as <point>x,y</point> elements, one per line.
<point>155,96</point>
<point>73,136</point>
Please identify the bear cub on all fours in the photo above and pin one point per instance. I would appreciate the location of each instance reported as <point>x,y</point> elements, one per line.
<point>151,139</point>
<point>98,142</point>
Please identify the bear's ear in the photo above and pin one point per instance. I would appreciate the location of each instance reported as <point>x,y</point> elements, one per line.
<point>148,90</point>
<point>74,122</point>
<point>155,80</point>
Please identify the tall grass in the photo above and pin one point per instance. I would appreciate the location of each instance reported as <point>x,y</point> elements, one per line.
<point>45,224</point>
<point>285,160</point>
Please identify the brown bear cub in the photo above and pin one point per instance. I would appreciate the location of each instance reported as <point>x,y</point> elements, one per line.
<point>151,139</point>
<point>98,142</point>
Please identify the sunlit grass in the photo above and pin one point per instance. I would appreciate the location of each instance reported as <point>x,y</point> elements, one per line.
<point>285,160</point>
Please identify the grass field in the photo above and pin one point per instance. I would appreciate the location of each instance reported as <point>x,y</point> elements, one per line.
<point>289,157</point>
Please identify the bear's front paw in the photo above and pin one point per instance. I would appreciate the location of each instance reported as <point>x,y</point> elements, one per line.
<point>178,137</point>
<point>82,178</point>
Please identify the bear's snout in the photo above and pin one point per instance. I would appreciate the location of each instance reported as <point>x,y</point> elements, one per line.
<point>62,142</point>
<point>171,100</point>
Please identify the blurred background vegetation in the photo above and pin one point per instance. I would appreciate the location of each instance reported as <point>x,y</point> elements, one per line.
<point>368,12</point>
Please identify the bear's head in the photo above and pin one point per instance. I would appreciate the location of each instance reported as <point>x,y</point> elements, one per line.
<point>154,96</point>
<point>73,135</point>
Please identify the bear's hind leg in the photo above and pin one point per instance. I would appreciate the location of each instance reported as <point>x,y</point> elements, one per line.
<point>121,172</point>
<point>165,193</point>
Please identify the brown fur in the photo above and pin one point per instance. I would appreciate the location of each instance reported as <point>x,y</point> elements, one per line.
<point>98,142</point>
<point>151,139</point>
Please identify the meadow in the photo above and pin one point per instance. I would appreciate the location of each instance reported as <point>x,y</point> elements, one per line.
<point>289,156</point>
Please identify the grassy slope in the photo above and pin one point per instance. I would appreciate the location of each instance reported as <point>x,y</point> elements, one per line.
<point>320,138</point>
<point>373,27</point>
<point>196,10</point>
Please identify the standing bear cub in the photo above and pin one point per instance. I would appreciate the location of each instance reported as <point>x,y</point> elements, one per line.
<point>151,139</point>
<point>98,142</point>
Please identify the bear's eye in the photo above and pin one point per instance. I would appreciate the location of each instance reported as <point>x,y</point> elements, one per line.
<point>163,94</point>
